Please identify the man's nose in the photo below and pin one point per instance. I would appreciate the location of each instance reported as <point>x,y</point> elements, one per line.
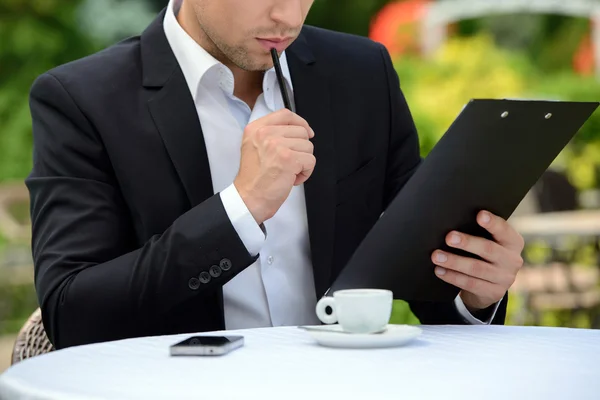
<point>288,13</point>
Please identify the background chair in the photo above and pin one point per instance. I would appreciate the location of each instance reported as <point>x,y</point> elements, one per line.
<point>32,339</point>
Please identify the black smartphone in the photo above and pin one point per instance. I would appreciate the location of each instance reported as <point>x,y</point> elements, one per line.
<point>207,345</point>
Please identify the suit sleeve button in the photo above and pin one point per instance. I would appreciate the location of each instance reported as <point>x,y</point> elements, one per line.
<point>204,277</point>
<point>225,264</point>
<point>215,271</point>
<point>194,283</point>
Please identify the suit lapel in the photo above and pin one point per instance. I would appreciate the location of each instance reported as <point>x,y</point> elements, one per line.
<point>313,102</point>
<point>176,118</point>
<point>174,113</point>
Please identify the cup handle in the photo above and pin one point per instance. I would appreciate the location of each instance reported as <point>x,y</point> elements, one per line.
<point>323,316</point>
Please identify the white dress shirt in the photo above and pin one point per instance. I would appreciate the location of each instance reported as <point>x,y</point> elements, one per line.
<point>278,289</point>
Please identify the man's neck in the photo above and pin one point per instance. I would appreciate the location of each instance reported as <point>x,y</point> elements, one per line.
<point>248,84</point>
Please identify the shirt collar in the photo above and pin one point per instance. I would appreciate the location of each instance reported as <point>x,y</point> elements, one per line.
<point>196,62</point>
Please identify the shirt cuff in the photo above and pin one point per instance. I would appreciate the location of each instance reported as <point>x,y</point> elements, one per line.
<point>251,234</point>
<point>464,312</point>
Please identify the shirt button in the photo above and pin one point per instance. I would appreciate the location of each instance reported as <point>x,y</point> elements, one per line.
<point>270,260</point>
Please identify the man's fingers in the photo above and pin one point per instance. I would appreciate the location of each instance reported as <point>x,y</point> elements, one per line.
<point>472,267</point>
<point>484,248</point>
<point>486,280</point>
<point>291,131</point>
<point>476,286</point>
<point>276,132</point>
<point>501,230</point>
<point>285,117</point>
<point>299,145</point>
<point>305,166</point>
<point>306,163</point>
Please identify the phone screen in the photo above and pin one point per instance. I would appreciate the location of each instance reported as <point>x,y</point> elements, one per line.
<point>208,341</point>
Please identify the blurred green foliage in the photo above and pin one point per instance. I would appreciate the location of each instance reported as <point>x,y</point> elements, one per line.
<point>475,67</point>
<point>437,89</point>
<point>17,302</point>
<point>549,41</point>
<point>350,16</point>
<point>109,21</point>
<point>36,36</point>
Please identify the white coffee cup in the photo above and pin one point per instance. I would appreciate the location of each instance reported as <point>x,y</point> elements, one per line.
<point>357,310</point>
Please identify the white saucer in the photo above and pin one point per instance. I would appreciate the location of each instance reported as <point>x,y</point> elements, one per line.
<point>393,336</point>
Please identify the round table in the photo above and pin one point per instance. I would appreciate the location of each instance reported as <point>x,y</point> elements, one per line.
<point>446,362</point>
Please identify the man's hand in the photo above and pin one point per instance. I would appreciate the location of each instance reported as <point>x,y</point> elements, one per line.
<point>483,283</point>
<point>276,155</point>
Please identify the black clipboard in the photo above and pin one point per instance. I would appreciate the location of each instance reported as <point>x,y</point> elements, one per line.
<point>490,157</point>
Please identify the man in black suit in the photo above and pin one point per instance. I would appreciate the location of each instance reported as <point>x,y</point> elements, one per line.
<point>172,193</point>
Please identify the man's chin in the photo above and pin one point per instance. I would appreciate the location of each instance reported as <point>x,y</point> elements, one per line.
<point>256,65</point>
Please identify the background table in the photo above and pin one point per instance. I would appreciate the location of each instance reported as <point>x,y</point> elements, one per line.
<point>447,362</point>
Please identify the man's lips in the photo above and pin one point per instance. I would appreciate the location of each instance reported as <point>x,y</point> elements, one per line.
<point>279,44</point>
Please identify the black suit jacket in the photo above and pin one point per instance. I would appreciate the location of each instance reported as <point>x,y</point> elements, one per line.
<point>125,222</point>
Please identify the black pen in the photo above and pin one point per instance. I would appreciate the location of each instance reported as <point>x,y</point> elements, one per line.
<point>284,94</point>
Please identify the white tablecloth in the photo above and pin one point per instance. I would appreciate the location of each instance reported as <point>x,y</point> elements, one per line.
<point>447,362</point>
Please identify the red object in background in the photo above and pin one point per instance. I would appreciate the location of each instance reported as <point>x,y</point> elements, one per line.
<point>397,25</point>
<point>583,61</point>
